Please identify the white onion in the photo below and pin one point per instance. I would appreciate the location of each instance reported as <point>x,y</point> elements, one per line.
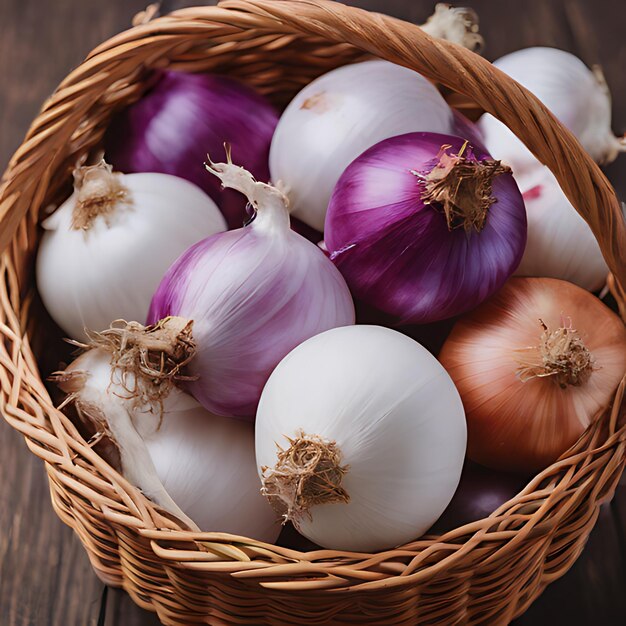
<point>206,463</point>
<point>577,96</point>
<point>560,244</point>
<point>389,410</point>
<point>195,465</point>
<point>338,116</point>
<point>97,270</point>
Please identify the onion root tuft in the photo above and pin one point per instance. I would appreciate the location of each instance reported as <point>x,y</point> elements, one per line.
<point>307,473</point>
<point>561,354</point>
<point>461,185</point>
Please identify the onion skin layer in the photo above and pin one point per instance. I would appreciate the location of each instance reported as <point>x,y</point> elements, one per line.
<point>398,254</point>
<point>525,426</point>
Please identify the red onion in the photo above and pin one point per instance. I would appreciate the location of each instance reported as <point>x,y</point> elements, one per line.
<point>424,227</point>
<point>185,116</point>
<point>480,492</point>
<point>253,295</point>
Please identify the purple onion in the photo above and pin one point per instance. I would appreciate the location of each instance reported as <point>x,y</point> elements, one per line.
<point>180,119</point>
<point>480,492</point>
<point>404,252</point>
<point>253,294</point>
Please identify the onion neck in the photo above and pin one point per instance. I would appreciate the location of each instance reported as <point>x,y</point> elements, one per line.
<point>598,138</point>
<point>270,204</point>
<point>456,24</point>
<point>307,473</point>
<point>99,191</point>
<point>561,355</point>
<point>124,447</point>
<point>461,185</point>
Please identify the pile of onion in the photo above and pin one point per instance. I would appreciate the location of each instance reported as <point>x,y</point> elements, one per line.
<point>250,396</point>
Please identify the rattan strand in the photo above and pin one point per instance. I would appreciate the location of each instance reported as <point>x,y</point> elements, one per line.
<point>486,572</point>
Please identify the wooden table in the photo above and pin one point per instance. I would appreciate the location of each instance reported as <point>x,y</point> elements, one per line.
<point>45,577</point>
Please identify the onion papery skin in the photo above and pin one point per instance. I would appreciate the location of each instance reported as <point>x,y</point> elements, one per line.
<point>253,294</point>
<point>398,254</point>
<point>180,119</point>
<point>525,426</point>
<point>560,243</point>
<point>338,116</point>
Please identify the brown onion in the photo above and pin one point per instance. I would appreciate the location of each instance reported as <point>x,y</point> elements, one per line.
<point>534,365</point>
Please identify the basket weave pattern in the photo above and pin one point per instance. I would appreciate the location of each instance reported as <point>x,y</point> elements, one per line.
<point>486,572</point>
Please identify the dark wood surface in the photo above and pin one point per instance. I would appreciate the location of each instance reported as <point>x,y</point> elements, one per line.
<point>45,576</point>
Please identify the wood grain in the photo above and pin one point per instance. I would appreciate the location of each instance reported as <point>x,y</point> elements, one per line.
<point>121,611</point>
<point>45,577</point>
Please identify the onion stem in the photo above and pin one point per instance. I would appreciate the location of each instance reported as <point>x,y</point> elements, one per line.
<point>270,204</point>
<point>99,191</point>
<point>561,354</point>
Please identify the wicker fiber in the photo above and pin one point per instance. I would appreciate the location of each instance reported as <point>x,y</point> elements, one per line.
<point>486,572</point>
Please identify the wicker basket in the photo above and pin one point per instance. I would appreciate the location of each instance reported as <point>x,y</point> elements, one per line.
<point>487,572</point>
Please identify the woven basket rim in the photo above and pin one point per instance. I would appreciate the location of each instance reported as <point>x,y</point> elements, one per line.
<point>592,466</point>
